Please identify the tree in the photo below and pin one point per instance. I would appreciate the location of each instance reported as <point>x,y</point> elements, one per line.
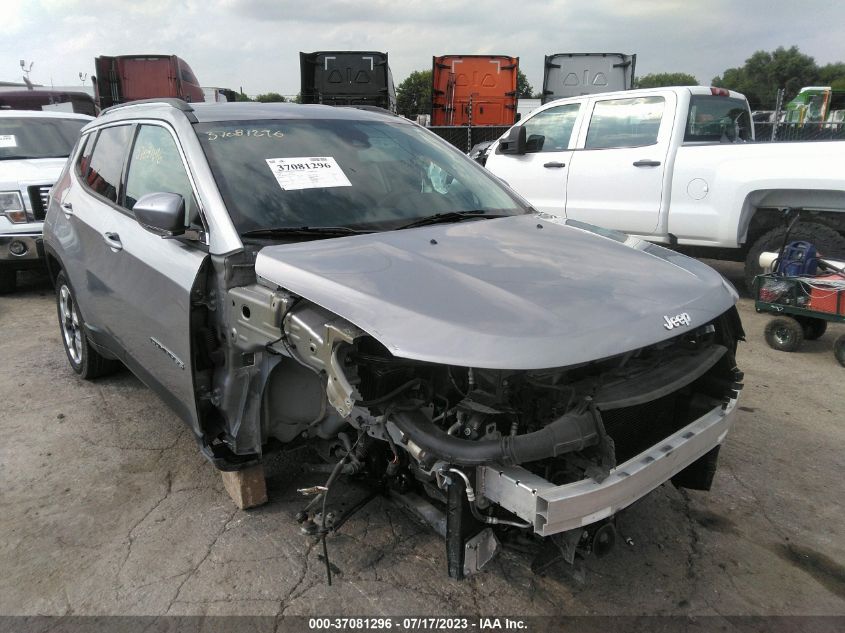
<point>659,80</point>
<point>270,97</point>
<point>524,90</point>
<point>413,96</point>
<point>242,97</point>
<point>764,73</point>
<point>833,75</point>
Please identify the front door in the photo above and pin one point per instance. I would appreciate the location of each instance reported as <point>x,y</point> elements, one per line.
<point>616,174</point>
<point>540,174</point>
<point>151,278</point>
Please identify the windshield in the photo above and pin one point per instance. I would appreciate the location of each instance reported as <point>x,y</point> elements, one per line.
<point>714,119</point>
<point>33,137</point>
<point>374,175</point>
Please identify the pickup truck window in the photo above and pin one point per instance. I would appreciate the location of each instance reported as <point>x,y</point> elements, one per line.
<point>550,130</point>
<point>625,123</point>
<point>35,137</point>
<point>714,119</point>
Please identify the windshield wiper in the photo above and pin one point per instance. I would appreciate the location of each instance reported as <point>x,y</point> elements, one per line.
<point>450,216</point>
<point>285,231</point>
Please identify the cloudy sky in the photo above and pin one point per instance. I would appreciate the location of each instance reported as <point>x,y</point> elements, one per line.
<point>255,43</point>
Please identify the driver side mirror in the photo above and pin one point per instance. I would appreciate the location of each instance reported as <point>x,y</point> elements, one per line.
<point>514,142</point>
<point>161,213</point>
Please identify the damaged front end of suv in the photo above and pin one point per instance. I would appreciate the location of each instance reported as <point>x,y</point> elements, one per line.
<point>289,275</point>
<point>528,376</point>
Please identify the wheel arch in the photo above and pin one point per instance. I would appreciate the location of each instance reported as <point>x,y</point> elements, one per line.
<point>53,264</point>
<point>762,210</point>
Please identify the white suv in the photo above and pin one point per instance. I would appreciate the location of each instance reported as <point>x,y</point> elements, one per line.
<point>34,146</point>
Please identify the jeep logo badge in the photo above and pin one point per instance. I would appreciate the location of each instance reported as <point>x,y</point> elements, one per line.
<point>670,323</point>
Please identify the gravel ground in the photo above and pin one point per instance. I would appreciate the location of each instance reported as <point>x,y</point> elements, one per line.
<point>108,508</point>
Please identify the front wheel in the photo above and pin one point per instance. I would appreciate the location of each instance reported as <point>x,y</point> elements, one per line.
<point>784,334</point>
<point>83,358</point>
<point>827,241</point>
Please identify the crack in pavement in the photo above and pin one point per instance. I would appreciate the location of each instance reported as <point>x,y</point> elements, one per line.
<point>285,602</point>
<point>129,535</point>
<point>196,567</point>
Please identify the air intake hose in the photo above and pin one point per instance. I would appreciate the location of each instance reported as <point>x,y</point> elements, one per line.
<point>570,432</point>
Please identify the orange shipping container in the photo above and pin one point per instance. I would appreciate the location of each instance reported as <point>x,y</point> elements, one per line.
<point>474,90</point>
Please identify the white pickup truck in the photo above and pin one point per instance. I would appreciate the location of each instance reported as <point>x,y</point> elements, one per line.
<point>677,166</point>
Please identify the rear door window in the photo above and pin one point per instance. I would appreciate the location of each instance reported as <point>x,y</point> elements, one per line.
<point>716,119</point>
<point>625,123</point>
<point>103,176</point>
<point>550,130</point>
<point>84,160</point>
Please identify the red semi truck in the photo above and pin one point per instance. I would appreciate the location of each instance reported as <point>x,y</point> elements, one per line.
<point>131,77</point>
<point>473,90</point>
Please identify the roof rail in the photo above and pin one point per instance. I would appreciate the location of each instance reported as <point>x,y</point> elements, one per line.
<point>179,104</point>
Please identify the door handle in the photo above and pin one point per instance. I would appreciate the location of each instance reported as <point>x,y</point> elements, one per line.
<point>646,163</point>
<point>113,240</point>
<point>67,208</point>
<point>554,165</point>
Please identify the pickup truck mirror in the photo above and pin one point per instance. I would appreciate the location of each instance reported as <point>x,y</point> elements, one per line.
<point>514,142</point>
<point>161,213</point>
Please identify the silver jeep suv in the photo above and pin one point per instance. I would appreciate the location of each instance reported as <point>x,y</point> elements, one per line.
<point>287,273</point>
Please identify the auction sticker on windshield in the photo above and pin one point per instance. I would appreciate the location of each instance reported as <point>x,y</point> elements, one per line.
<point>8,140</point>
<point>307,173</point>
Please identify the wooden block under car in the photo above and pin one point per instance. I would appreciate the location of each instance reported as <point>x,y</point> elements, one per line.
<point>246,487</point>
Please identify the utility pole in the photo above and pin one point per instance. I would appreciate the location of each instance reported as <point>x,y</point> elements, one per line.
<point>26,69</point>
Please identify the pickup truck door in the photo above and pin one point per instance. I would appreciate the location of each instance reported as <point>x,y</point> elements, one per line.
<point>540,174</point>
<point>616,173</point>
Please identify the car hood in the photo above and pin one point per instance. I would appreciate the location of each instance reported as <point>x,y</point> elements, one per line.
<point>35,171</point>
<point>524,292</point>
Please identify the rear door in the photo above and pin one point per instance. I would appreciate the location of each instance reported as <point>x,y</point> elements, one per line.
<point>540,174</point>
<point>616,173</point>
<point>151,278</point>
<point>89,210</point>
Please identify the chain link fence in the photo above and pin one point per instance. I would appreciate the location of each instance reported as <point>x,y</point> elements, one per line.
<point>784,132</point>
<point>466,137</point>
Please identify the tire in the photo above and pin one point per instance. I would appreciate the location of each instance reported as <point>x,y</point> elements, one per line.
<point>813,328</point>
<point>8,280</point>
<point>826,240</point>
<point>784,334</point>
<point>839,349</point>
<point>83,358</point>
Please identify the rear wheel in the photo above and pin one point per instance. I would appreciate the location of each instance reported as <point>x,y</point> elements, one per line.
<point>784,334</point>
<point>839,350</point>
<point>813,328</point>
<point>83,358</point>
<point>827,241</point>
<point>8,280</point>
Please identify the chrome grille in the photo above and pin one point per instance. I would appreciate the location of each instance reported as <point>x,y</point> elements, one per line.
<point>39,196</point>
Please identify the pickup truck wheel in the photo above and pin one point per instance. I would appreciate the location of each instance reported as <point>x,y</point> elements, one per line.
<point>83,358</point>
<point>784,334</point>
<point>839,349</point>
<point>826,240</point>
<point>8,280</point>
<point>813,328</point>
